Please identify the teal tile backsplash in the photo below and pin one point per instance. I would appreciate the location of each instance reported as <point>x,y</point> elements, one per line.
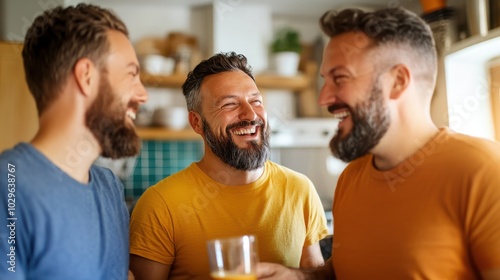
<point>157,160</point>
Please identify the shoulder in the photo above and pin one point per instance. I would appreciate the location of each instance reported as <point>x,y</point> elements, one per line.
<point>18,152</point>
<point>470,149</point>
<point>287,178</point>
<point>175,187</point>
<point>189,173</point>
<point>106,183</point>
<point>103,174</point>
<point>276,169</point>
<point>31,171</point>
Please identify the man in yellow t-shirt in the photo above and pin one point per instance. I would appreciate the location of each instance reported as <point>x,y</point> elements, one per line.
<point>415,202</point>
<point>233,190</point>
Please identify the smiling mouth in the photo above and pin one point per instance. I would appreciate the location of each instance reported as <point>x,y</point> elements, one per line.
<point>131,114</point>
<point>341,115</point>
<point>244,131</point>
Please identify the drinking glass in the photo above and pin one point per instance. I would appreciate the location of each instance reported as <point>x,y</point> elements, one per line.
<point>233,258</point>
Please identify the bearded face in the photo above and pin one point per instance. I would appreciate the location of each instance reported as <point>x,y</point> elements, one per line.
<point>371,120</point>
<point>106,119</point>
<point>225,148</point>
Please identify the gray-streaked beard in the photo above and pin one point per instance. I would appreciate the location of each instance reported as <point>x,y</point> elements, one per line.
<point>245,159</point>
<point>371,121</point>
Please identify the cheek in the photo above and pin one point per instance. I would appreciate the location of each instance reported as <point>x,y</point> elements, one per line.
<point>260,110</point>
<point>218,124</point>
<point>262,113</point>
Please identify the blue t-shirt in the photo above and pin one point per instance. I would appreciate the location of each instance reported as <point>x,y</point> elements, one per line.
<point>53,227</point>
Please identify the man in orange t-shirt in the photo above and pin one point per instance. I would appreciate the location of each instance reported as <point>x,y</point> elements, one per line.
<point>415,202</point>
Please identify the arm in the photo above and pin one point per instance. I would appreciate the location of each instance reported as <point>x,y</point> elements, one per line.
<point>272,271</point>
<point>311,257</point>
<point>145,269</point>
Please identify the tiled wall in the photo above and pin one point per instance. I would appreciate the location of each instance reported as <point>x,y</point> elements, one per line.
<point>157,160</point>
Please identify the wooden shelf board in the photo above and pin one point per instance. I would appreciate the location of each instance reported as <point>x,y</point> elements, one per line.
<point>161,133</point>
<point>171,81</point>
<point>263,81</point>
<point>295,83</point>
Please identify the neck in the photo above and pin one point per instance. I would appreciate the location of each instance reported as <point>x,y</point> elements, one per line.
<point>64,139</point>
<point>402,141</point>
<point>225,174</point>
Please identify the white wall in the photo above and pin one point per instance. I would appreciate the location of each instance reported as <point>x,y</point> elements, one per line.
<point>467,85</point>
<point>150,20</point>
<point>308,27</point>
<point>245,29</point>
<point>17,16</point>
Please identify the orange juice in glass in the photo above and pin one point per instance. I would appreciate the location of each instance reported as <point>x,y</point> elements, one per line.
<point>232,276</point>
<point>233,258</point>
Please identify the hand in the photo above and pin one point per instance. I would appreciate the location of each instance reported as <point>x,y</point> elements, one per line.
<point>273,271</point>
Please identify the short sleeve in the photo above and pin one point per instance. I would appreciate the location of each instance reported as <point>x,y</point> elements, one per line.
<point>151,229</point>
<point>483,217</point>
<point>317,228</point>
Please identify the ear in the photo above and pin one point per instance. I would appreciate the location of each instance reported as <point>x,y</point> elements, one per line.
<point>401,77</point>
<point>195,122</point>
<point>85,77</point>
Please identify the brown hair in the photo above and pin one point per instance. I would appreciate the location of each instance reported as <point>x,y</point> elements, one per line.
<point>221,62</point>
<point>57,39</point>
<point>391,26</point>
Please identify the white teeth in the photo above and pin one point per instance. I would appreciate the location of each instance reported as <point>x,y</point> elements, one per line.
<point>341,115</point>
<point>131,115</point>
<point>245,131</point>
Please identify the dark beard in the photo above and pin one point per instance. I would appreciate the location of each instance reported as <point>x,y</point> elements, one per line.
<point>106,120</point>
<point>244,159</point>
<point>370,122</point>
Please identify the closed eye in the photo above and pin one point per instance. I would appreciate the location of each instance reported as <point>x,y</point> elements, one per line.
<point>338,79</point>
<point>229,105</point>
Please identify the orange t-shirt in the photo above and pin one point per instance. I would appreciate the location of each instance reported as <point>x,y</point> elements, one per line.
<point>434,216</point>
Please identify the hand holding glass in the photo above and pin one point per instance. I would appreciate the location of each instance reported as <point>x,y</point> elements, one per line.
<point>233,258</point>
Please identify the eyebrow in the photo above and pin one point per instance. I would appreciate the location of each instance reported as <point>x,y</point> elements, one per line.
<point>220,100</point>
<point>336,68</point>
<point>134,65</point>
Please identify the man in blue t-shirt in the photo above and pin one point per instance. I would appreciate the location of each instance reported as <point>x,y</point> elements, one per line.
<point>64,218</point>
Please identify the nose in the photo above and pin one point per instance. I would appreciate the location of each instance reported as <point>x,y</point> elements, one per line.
<point>326,95</point>
<point>247,112</point>
<point>141,95</point>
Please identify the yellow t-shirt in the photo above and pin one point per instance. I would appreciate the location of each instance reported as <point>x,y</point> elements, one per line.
<point>173,219</point>
<point>434,216</point>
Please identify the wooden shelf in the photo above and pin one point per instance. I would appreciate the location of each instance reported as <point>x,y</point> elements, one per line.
<point>162,81</point>
<point>264,81</point>
<point>302,85</point>
<point>164,134</point>
<point>270,81</point>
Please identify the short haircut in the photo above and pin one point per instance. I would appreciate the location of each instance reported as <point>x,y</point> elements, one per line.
<point>393,27</point>
<point>60,37</point>
<point>218,63</point>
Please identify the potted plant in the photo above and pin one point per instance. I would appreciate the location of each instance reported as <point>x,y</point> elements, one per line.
<point>285,50</point>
